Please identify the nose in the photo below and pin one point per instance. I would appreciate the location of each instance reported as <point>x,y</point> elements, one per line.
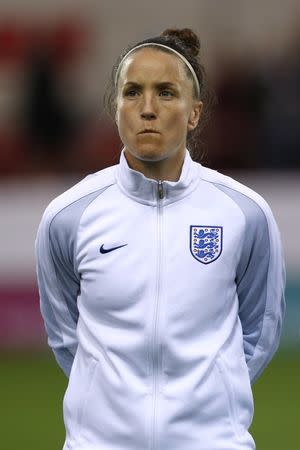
<point>148,110</point>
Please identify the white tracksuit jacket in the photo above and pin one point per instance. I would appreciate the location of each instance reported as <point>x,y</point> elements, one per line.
<point>161,301</point>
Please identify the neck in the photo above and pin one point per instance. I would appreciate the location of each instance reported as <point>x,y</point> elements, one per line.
<point>168,169</point>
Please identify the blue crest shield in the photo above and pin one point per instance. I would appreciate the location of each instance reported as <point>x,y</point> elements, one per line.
<point>206,242</point>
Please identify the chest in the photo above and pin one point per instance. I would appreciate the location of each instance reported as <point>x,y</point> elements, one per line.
<point>186,255</point>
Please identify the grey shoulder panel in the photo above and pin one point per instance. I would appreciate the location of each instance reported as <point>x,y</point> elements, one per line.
<point>62,239</point>
<point>57,274</point>
<point>92,184</point>
<point>256,228</point>
<point>252,276</point>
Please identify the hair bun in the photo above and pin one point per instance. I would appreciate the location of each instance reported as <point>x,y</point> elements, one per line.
<point>186,36</point>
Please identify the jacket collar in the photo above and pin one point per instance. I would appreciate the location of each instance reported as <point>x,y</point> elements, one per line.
<point>145,190</point>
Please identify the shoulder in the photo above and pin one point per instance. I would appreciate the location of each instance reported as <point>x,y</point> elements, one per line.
<point>252,204</point>
<point>256,212</point>
<point>69,205</point>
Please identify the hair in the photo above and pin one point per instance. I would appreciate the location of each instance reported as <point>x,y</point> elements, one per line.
<point>186,42</point>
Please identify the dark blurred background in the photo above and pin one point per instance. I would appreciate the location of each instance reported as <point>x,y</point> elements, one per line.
<point>55,59</point>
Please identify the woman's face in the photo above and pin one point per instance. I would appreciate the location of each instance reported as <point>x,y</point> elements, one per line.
<point>155,105</point>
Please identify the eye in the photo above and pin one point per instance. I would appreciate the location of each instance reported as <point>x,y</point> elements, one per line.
<point>166,93</point>
<point>131,93</point>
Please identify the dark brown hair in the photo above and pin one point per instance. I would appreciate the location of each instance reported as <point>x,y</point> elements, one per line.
<point>186,42</point>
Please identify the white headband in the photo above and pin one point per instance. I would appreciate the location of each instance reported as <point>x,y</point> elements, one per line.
<point>168,48</point>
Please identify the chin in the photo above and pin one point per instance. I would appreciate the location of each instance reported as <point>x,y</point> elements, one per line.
<point>149,154</point>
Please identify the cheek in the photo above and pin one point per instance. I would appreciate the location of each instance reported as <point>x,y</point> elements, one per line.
<point>178,120</point>
<point>126,127</point>
<point>125,119</point>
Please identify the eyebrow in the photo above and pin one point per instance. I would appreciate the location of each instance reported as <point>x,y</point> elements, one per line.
<point>161,85</point>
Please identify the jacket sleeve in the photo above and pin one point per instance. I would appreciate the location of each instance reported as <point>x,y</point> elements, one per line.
<point>58,287</point>
<point>260,287</point>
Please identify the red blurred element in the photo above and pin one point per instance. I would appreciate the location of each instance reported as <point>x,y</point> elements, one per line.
<point>13,154</point>
<point>13,43</point>
<point>66,41</point>
<point>21,324</point>
<point>63,41</point>
<point>233,132</point>
<point>98,147</point>
<point>37,38</point>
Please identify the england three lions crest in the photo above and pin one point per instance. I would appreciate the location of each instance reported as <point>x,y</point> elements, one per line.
<point>206,242</point>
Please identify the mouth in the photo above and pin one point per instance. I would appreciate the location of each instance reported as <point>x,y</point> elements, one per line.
<point>149,131</point>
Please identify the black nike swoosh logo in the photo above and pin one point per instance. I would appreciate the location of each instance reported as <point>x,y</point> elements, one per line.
<point>107,250</point>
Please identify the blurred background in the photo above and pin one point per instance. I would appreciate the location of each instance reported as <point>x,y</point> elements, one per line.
<point>55,59</point>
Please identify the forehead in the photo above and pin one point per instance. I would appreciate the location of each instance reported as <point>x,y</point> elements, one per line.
<point>153,65</point>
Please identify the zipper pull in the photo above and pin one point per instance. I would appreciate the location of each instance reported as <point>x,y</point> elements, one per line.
<point>160,189</point>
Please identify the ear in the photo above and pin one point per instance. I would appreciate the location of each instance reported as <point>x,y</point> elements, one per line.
<point>195,115</point>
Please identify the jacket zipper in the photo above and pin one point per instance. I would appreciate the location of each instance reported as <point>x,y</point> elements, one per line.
<point>155,345</point>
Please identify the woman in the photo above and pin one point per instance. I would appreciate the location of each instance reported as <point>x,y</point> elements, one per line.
<point>161,281</point>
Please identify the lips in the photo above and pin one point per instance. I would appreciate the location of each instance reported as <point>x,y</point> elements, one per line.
<point>148,131</point>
